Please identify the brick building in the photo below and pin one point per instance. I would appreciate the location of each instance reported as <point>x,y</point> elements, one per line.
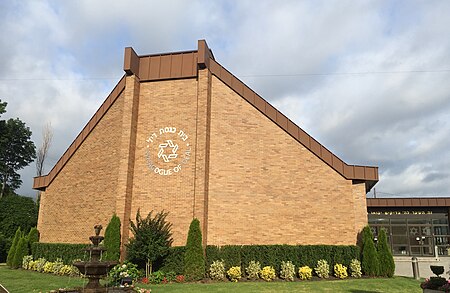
<point>180,133</point>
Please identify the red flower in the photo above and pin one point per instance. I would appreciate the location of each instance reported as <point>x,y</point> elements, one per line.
<point>180,279</point>
<point>145,280</point>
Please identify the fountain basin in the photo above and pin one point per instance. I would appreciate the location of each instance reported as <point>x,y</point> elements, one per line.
<point>95,268</point>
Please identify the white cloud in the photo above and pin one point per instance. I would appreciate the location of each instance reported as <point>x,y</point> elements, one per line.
<point>396,120</point>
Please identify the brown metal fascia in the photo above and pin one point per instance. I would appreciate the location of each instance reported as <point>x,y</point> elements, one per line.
<point>40,183</point>
<point>131,62</point>
<point>204,54</point>
<point>407,202</point>
<point>367,174</point>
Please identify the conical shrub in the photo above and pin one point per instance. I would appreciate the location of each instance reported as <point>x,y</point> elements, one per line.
<point>194,260</point>
<point>369,257</point>
<point>12,249</point>
<point>385,258</point>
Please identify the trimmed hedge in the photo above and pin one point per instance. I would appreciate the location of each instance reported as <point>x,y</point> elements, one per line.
<point>67,252</point>
<point>273,255</point>
<point>173,261</point>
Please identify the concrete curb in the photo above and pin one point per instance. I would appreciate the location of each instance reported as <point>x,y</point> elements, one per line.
<point>3,289</point>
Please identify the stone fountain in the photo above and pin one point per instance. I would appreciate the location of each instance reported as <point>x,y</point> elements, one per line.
<point>95,269</point>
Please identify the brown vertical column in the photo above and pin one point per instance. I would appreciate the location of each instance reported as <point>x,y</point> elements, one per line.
<point>200,206</point>
<point>200,210</point>
<point>126,158</point>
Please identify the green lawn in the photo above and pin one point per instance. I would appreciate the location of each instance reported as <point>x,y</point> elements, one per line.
<point>18,281</point>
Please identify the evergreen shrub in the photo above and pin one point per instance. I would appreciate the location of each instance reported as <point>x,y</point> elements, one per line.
<point>385,258</point>
<point>12,249</point>
<point>112,239</point>
<point>272,255</point>
<point>65,251</point>
<point>369,256</point>
<point>194,260</point>
<point>21,251</point>
<point>173,261</point>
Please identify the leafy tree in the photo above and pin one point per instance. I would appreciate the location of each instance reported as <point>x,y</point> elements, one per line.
<point>17,211</point>
<point>194,259</point>
<point>5,244</point>
<point>369,258</point>
<point>112,239</point>
<point>151,241</point>
<point>387,264</point>
<point>16,151</point>
<point>21,251</point>
<point>12,249</point>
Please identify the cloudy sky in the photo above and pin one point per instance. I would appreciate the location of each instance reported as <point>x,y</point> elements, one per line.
<point>368,79</point>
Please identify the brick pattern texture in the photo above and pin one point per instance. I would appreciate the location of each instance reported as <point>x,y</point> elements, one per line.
<point>84,192</point>
<point>246,179</point>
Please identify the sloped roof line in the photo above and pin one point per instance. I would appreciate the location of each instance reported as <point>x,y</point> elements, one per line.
<point>41,182</point>
<point>185,64</point>
<point>369,174</point>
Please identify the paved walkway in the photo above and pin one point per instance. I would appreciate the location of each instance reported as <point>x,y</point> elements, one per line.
<point>403,266</point>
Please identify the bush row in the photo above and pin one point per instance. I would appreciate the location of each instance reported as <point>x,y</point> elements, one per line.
<point>41,265</point>
<point>273,255</point>
<point>64,251</point>
<point>288,271</point>
<point>233,255</point>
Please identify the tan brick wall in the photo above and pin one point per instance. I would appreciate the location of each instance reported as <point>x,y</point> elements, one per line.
<point>266,188</point>
<point>246,179</point>
<point>84,192</point>
<point>162,104</point>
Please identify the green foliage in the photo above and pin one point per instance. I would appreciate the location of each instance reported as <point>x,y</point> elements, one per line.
<point>385,258</point>
<point>127,269</point>
<point>322,269</point>
<point>5,244</point>
<point>217,270</point>
<point>16,151</point>
<point>194,260</point>
<point>152,239</point>
<point>340,271</point>
<point>27,259</point>
<point>267,273</point>
<point>253,269</point>
<point>65,251</point>
<point>369,257</point>
<point>12,249</point>
<point>355,268</point>
<point>33,236</point>
<point>17,211</point>
<point>272,255</point>
<point>234,273</point>
<point>287,271</point>
<point>173,261</point>
<point>21,251</point>
<point>305,273</point>
<point>112,239</point>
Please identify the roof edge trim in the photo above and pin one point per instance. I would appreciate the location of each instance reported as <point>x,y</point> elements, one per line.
<point>368,174</point>
<point>41,182</point>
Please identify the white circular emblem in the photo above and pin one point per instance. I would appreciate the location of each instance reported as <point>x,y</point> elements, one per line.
<point>167,151</point>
